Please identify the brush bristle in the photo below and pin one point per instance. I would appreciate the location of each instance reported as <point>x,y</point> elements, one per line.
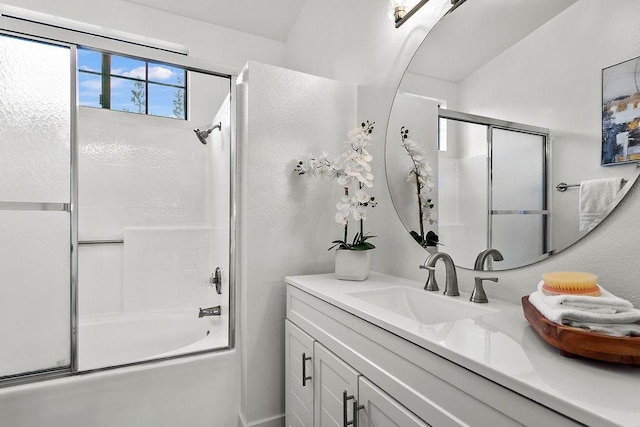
<point>571,282</point>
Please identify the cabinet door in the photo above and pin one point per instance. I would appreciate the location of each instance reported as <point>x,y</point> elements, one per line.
<point>333,378</point>
<point>381,410</point>
<point>298,377</point>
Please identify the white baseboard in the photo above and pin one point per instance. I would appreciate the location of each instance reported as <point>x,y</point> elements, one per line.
<point>277,421</point>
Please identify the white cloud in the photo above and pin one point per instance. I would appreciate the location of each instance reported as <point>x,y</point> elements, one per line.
<point>136,73</point>
<point>94,84</point>
<point>160,73</point>
<point>155,73</point>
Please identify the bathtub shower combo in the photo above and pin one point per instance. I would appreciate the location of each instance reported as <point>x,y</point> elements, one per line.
<point>115,220</point>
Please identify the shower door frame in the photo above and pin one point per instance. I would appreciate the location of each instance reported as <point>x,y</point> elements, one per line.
<point>491,124</point>
<point>36,27</point>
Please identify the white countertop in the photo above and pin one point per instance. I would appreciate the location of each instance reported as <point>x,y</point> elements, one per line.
<point>500,346</point>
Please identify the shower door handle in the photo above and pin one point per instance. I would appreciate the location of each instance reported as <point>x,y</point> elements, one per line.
<point>216,280</point>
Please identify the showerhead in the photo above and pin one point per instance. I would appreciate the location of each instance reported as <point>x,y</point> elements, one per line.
<point>204,134</point>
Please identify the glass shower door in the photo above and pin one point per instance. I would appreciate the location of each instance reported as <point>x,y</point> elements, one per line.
<point>35,207</point>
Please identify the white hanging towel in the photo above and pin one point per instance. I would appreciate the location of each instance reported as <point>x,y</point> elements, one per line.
<point>596,198</point>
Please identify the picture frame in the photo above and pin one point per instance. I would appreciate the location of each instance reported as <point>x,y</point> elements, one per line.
<point>621,113</point>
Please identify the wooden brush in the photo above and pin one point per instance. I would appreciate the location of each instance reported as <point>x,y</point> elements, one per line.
<point>570,282</point>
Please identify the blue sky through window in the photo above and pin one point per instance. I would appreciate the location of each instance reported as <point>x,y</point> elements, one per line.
<point>166,84</point>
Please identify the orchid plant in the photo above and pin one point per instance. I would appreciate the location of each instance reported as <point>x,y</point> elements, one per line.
<point>422,174</point>
<point>352,171</point>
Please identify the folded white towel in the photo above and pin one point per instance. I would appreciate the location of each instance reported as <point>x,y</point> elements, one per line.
<point>605,303</point>
<point>624,330</point>
<point>596,198</point>
<point>564,315</point>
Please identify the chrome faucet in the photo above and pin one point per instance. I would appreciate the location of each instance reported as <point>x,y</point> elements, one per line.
<point>451,278</point>
<point>484,255</point>
<point>210,311</point>
<point>478,295</point>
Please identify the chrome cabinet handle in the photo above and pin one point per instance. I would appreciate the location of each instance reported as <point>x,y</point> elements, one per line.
<point>356,408</point>
<point>345,399</point>
<point>305,378</point>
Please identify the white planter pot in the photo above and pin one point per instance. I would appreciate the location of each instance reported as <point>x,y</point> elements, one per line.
<point>353,265</point>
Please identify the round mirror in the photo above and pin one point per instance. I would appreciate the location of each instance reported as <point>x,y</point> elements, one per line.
<point>516,127</point>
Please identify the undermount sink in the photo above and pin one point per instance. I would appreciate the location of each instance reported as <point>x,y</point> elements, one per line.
<point>420,305</point>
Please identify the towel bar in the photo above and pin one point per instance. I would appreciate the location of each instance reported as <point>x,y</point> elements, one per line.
<point>562,187</point>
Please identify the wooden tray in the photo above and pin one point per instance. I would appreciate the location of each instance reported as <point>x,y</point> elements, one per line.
<point>579,342</point>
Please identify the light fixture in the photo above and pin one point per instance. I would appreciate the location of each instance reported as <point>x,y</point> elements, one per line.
<point>401,15</point>
<point>398,10</point>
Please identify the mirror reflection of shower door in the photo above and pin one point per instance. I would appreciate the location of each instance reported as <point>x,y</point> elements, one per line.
<point>518,212</point>
<point>35,200</point>
<point>497,172</point>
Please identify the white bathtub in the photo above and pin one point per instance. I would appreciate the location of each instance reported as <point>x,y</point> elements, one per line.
<point>118,339</point>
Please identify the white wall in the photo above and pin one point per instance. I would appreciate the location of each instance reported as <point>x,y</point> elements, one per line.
<point>286,220</point>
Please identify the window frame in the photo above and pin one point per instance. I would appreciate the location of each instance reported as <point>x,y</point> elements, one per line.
<point>106,77</point>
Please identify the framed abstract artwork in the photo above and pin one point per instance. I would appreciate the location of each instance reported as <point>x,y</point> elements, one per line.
<point>621,113</point>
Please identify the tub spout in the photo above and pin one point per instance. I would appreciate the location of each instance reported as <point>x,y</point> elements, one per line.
<point>211,311</point>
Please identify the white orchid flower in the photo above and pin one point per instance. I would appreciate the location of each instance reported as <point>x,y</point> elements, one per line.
<point>362,196</point>
<point>351,169</point>
<point>344,180</point>
<point>423,171</point>
<point>359,213</point>
<point>342,217</point>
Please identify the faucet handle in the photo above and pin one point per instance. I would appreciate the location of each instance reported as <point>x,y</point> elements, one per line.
<point>478,295</point>
<point>431,284</point>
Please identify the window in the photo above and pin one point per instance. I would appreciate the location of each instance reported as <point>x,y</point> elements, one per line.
<point>127,84</point>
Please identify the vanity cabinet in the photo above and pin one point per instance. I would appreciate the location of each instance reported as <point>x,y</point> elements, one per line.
<point>381,410</point>
<point>298,376</point>
<point>394,381</point>
<point>332,391</point>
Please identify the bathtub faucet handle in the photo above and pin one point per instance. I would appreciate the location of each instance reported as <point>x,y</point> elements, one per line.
<point>216,280</point>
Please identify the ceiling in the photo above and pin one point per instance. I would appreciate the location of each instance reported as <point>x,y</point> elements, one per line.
<point>272,19</point>
<point>478,31</point>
